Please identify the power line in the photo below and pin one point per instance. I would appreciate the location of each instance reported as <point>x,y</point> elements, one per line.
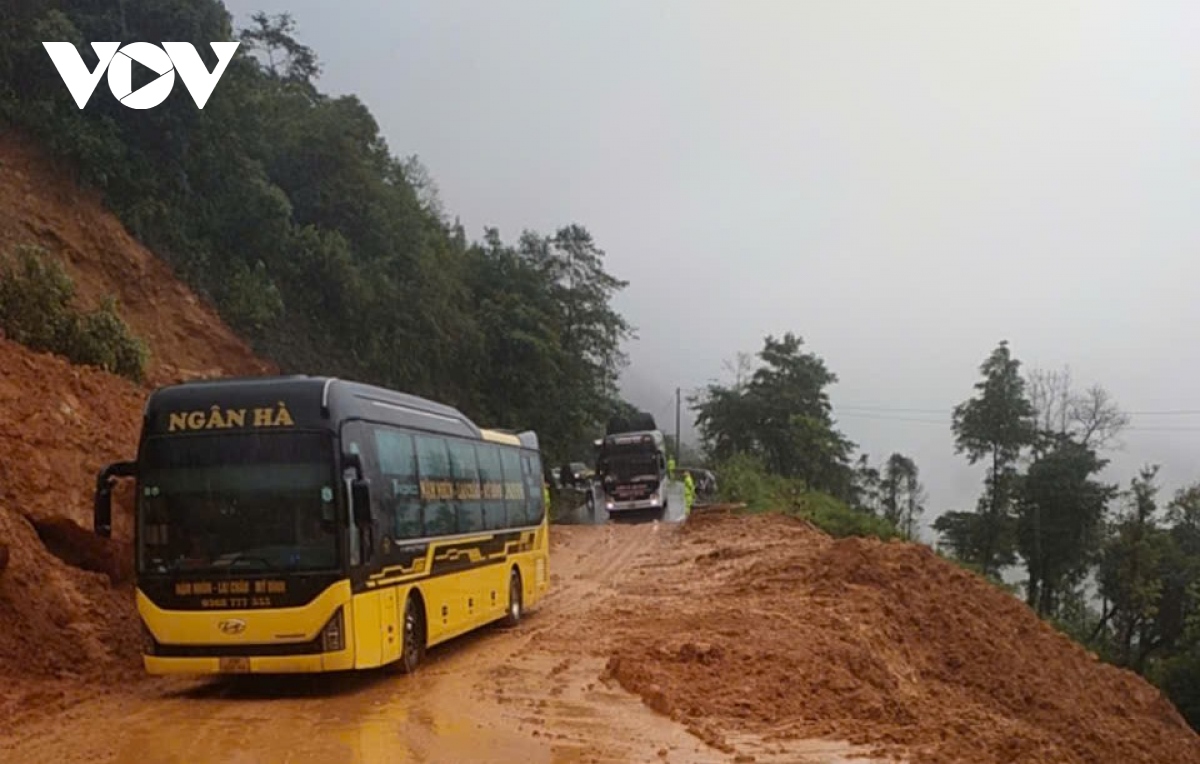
<point>948,423</point>
<point>907,410</point>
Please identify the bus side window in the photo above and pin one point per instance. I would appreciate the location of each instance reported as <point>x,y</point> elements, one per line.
<point>437,485</point>
<point>535,490</point>
<point>399,491</point>
<point>492,480</point>
<point>466,486</point>
<point>514,485</point>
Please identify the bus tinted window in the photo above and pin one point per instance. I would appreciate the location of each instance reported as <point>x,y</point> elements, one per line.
<point>533,490</point>
<point>437,485</point>
<point>492,479</point>
<point>467,494</point>
<point>400,492</point>
<point>514,487</point>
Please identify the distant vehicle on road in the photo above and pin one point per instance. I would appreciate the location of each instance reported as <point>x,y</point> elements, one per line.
<point>631,471</point>
<point>574,475</point>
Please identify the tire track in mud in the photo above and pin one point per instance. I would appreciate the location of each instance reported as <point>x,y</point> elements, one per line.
<point>529,694</point>
<point>536,694</point>
<point>551,685</point>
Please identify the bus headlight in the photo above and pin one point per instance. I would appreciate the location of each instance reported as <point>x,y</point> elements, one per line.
<point>333,636</point>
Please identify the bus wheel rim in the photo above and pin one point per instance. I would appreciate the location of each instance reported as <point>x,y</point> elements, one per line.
<point>410,635</point>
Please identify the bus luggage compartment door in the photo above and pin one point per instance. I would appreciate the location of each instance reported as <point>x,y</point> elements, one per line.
<point>389,620</point>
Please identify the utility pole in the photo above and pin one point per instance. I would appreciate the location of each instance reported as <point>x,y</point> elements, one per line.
<point>678,444</point>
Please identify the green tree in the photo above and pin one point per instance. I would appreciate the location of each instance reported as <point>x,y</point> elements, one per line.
<point>287,208</point>
<point>903,496</point>
<point>1060,514</point>
<point>782,416</point>
<point>1130,574</point>
<point>868,491</point>
<point>996,424</point>
<point>1061,506</point>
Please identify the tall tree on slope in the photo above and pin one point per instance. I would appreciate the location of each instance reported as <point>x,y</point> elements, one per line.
<point>996,424</point>
<point>782,416</point>
<point>1061,507</point>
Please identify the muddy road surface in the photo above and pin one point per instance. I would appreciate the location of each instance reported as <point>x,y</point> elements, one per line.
<point>536,693</point>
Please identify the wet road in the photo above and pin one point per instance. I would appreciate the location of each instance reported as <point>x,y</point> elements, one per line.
<point>533,695</point>
<point>529,694</point>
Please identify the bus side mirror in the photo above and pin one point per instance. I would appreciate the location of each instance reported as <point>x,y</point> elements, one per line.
<point>102,510</point>
<point>360,494</point>
<point>102,502</point>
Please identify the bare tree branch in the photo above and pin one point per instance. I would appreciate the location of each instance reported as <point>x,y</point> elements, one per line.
<point>1096,418</point>
<point>1091,417</point>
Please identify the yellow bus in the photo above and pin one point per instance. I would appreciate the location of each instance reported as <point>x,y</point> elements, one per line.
<point>308,524</point>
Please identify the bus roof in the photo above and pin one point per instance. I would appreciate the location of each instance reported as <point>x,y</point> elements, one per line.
<point>307,402</point>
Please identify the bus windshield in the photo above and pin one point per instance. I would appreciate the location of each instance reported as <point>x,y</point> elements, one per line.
<point>628,468</point>
<point>244,503</point>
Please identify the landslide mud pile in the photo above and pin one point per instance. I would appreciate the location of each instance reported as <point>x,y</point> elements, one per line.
<point>66,606</point>
<point>765,625</point>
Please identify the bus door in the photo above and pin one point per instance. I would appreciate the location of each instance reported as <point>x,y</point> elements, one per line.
<point>376,613</point>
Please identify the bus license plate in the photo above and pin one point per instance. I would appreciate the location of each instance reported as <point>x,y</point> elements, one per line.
<point>234,665</point>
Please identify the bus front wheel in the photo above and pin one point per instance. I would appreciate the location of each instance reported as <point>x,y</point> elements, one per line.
<point>413,649</point>
<point>515,603</point>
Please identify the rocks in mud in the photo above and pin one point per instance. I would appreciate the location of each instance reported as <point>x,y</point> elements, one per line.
<point>700,652</point>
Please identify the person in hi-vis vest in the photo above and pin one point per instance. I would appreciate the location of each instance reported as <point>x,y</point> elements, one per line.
<point>689,492</point>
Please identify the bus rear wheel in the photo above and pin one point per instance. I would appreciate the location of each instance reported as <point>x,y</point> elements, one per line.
<point>515,603</point>
<point>413,648</point>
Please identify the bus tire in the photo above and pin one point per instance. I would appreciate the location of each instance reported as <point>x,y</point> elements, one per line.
<point>412,649</point>
<point>516,603</point>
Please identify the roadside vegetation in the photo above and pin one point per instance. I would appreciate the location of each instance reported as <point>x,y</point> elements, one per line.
<point>37,310</point>
<point>1116,569</point>
<point>287,208</point>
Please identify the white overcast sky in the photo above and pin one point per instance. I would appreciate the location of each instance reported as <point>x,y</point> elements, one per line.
<point>903,184</point>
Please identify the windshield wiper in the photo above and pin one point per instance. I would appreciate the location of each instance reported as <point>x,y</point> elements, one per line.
<point>239,557</point>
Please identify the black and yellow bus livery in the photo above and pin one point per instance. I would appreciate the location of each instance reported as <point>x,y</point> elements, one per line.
<point>306,524</point>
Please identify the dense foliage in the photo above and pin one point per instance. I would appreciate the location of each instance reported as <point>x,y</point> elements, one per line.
<point>286,207</point>
<point>746,479</point>
<point>774,442</point>
<point>781,414</point>
<point>36,310</point>
<point>1109,567</point>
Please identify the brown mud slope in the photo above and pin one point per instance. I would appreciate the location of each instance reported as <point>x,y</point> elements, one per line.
<point>66,609</point>
<point>764,625</point>
<point>40,205</point>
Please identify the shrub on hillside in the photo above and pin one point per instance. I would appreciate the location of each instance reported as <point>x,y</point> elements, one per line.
<point>839,520</point>
<point>36,311</point>
<point>745,479</point>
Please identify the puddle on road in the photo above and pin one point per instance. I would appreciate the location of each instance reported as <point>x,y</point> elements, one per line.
<point>580,515</point>
<point>393,719</point>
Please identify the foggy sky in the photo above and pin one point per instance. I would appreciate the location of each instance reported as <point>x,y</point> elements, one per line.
<point>902,184</point>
